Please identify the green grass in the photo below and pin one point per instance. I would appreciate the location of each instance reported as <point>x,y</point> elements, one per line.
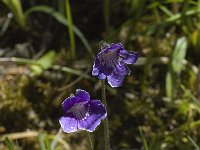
<point>160,96</point>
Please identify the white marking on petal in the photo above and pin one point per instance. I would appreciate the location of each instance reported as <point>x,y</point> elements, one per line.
<point>79,111</point>
<point>109,58</point>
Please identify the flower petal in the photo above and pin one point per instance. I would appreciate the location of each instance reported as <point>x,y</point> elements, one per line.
<point>101,76</point>
<point>118,46</point>
<point>98,69</point>
<point>68,124</point>
<point>97,112</point>
<point>111,62</point>
<point>71,101</point>
<point>128,57</point>
<point>97,64</point>
<point>108,59</point>
<point>82,94</point>
<point>95,72</point>
<point>115,79</point>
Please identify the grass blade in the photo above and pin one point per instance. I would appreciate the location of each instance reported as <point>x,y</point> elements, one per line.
<point>6,24</point>
<point>166,11</point>
<point>193,142</point>
<point>41,141</point>
<point>70,27</point>
<point>16,8</point>
<point>8,143</point>
<point>192,97</point>
<point>106,14</point>
<point>143,140</point>
<point>61,19</point>
<point>169,84</point>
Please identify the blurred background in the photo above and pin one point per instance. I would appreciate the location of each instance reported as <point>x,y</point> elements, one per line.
<point>47,49</point>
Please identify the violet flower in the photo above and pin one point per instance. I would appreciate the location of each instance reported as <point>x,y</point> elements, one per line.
<point>81,112</point>
<point>111,62</point>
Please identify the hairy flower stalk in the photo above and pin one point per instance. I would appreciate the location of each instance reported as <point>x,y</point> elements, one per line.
<point>105,122</point>
<point>111,63</point>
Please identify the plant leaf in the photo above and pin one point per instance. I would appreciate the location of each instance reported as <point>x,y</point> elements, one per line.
<point>179,55</point>
<point>169,84</point>
<point>43,63</point>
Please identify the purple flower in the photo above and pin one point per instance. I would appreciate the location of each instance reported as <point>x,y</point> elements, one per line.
<point>81,112</point>
<point>111,63</point>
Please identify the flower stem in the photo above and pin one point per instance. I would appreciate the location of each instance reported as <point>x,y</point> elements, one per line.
<point>105,122</point>
<point>90,140</point>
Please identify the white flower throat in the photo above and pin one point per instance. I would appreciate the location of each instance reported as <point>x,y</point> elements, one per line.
<point>79,110</point>
<point>109,58</point>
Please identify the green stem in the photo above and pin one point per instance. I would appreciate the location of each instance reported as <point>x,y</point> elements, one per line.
<point>105,122</point>
<point>18,60</point>
<point>106,13</point>
<point>144,141</point>
<point>90,140</point>
<point>34,62</point>
<point>70,27</point>
<point>16,7</point>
